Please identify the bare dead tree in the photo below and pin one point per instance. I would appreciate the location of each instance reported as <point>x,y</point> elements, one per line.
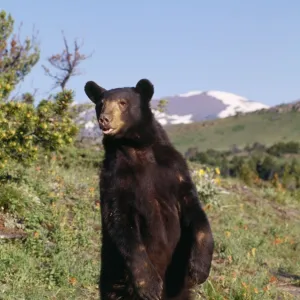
<point>67,63</point>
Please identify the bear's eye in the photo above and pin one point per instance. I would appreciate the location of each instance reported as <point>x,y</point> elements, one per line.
<point>122,102</point>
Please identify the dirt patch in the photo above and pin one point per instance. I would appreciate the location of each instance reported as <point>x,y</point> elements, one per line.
<point>293,290</point>
<point>287,282</point>
<point>10,228</point>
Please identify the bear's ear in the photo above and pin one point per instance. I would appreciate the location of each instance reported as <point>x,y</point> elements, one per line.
<point>93,91</point>
<point>145,88</point>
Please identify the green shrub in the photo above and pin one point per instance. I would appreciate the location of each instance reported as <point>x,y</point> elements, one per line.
<point>255,164</point>
<point>25,129</point>
<point>55,127</point>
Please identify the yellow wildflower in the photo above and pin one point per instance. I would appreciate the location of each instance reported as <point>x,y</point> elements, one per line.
<point>201,172</point>
<point>217,181</point>
<point>217,170</point>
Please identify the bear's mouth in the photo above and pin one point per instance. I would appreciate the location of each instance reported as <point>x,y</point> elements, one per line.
<point>106,130</point>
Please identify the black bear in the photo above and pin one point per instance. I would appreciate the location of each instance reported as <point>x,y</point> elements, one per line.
<point>156,238</point>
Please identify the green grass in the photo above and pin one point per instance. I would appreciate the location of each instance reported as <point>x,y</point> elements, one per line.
<point>265,127</point>
<point>60,257</point>
<point>256,234</point>
<point>56,204</point>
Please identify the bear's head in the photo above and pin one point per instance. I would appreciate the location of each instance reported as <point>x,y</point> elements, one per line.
<point>121,111</point>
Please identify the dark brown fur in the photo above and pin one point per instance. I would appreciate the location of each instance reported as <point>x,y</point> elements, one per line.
<point>156,238</point>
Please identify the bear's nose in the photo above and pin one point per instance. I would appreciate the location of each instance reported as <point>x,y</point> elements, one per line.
<point>104,119</point>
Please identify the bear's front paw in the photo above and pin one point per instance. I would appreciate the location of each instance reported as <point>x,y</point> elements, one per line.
<point>149,287</point>
<point>198,273</point>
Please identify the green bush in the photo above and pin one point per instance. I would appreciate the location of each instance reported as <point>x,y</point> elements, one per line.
<point>55,127</point>
<point>279,149</point>
<point>255,164</point>
<point>25,130</point>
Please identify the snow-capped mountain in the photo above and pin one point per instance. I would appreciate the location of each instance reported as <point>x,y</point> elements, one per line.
<point>197,106</point>
<point>190,107</point>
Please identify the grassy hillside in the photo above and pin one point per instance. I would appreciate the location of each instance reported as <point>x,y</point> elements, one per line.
<point>50,234</point>
<point>265,127</point>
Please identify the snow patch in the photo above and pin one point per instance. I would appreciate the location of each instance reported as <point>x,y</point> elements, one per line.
<point>191,93</point>
<point>227,98</point>
<point>89,124</point>
<point>165,119</point>
<point>235,104</point>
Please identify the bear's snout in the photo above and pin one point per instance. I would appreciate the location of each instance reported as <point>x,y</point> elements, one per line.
<point>105,120</point>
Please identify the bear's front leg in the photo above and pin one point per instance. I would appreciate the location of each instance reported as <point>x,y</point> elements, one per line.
<point>121,224</point>
<point>196,224</point>
<point>202,250</point>
<point>147,282</point>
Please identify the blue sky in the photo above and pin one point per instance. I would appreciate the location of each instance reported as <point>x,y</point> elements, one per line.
<point>251,48</point>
